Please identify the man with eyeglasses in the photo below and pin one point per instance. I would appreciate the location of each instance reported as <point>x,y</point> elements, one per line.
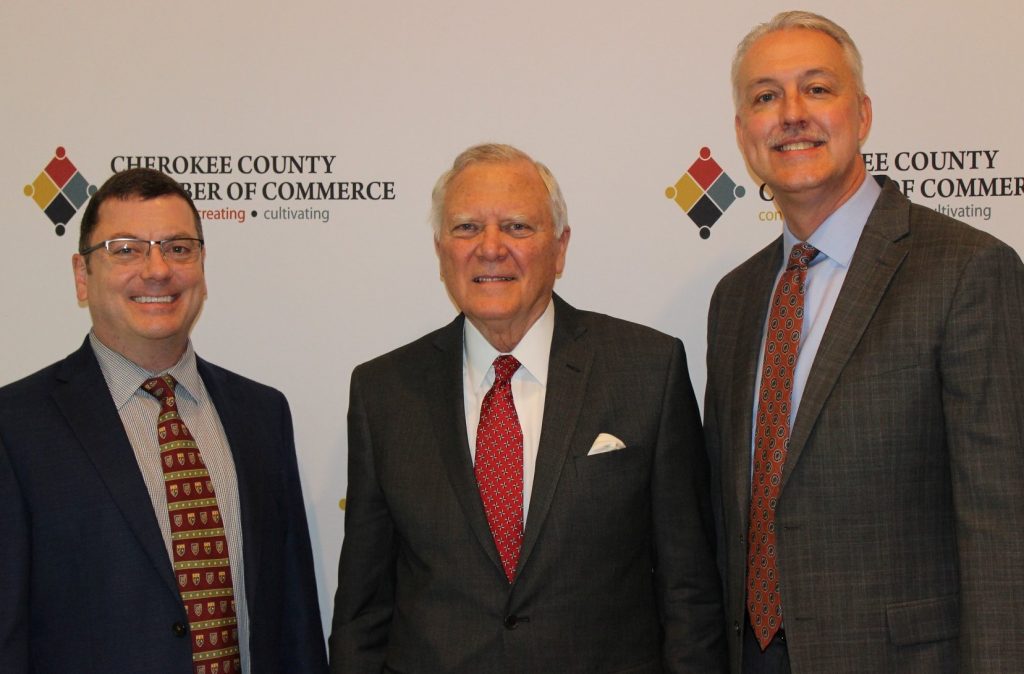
<point>151,514</point>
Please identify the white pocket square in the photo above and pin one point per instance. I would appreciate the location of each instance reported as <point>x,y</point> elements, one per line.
<point>605,442</point>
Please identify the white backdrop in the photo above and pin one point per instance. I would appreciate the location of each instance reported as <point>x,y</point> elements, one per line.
<point>618,100</point>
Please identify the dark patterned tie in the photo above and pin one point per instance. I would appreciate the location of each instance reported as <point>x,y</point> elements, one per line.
<point>771,442</point>
<point>197,536</point>
<point>499,464</point>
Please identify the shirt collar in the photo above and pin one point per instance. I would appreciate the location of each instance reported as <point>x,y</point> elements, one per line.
<point>125,377</point>
<point>836,238</point>
<point>533,351</point>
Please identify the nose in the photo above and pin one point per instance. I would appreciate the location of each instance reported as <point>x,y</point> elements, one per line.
<point>492,243</point>
<point>794,110</point>
<point>155,266</point>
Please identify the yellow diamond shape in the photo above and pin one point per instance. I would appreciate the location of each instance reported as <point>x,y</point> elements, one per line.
<point>685,192</point>
<point>42,190</point>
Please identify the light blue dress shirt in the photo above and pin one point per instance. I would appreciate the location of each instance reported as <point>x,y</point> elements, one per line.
<point>836,240</point>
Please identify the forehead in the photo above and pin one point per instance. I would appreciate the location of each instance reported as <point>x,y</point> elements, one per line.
<point>158,217</point>
<point>502,186</point>
<point>792,52</point>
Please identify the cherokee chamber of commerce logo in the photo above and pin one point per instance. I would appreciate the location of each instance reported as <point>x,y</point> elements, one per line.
<point>704,192</point>
<point>60,190</point>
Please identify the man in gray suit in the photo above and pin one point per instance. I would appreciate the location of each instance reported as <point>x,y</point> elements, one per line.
<point>555,519</point>
<point>872,391</point>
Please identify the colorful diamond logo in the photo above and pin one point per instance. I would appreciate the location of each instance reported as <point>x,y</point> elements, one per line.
<point>60,190</point>
<point>704,192</point>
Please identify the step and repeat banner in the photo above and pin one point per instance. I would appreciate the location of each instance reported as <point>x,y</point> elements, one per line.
<point>310,135</point>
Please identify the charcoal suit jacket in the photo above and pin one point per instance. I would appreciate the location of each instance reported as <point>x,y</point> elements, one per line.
<point>86,585</point>
<point>901,507</point>
<point>616,572</point>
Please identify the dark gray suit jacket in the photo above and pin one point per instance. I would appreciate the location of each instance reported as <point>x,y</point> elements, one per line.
<point>85,580</point>
<point>617,571</point>
<point>902,503</point>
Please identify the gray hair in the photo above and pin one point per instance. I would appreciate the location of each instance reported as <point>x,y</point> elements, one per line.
<point>496,153</point>
<point>806,21</point>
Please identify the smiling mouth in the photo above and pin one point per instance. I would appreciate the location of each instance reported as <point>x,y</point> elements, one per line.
<point>492,279</point>
<point>150,299</point>
<point>800,145</point>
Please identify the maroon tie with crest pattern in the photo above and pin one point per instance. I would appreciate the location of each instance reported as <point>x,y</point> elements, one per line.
<point>771,442</point>
<point>499,464</point>
<point>201,564</point>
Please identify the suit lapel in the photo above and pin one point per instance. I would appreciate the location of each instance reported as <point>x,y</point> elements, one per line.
<point>246,446</point>
<point>750,310</point>
<point>880,252</point>
<point>442,376</point>
<point>568,372</point>
<point>84,400</point>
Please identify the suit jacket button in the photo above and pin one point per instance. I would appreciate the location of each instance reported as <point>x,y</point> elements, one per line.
<point>736,628</point>
<point>511,622</point>
<point>180,629</point>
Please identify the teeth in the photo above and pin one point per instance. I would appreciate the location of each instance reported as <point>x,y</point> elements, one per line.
<point>146,299</point>
<point>806,145</point>
<point>491,279</point>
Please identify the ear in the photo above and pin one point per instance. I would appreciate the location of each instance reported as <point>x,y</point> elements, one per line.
<point>202,262</point>
<point>81,271</point>
<point>741,140</point>
<point>865,118</point>
<point>563,247</point>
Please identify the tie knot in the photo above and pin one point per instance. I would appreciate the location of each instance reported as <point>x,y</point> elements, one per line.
<point>504,368</point>
<point>161,387</point>
<point>801,256</point>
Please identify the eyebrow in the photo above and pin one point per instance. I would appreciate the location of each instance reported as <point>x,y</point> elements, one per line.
<point>514,217</point>
<point>127,235</point>
<point>813,72</point>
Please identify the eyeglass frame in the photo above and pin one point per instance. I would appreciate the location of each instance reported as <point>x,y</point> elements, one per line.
<point>106,245</point>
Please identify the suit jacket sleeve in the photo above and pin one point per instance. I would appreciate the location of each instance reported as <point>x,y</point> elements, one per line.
<point>982,369</point>
<point>364,600</point>
<point>14,571</point>
<point>686,577</point>
<point>713,444</point>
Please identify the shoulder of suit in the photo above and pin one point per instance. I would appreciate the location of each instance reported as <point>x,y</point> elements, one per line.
<point>739,278</point>
<point>30,385</point>
<point>619,336</point>
<point>416,351</point>
<point>81,361</point>
<point>929,226</point>
<point>217,376</point>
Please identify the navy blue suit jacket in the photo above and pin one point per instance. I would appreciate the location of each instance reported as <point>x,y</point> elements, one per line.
<point>85,581</point>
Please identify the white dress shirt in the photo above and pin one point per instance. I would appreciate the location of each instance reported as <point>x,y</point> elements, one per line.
<point>529,386</point>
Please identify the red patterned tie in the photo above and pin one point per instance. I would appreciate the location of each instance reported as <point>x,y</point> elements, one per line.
<point>499,464</point>
<point>771,442</point>
<point>197,535</point>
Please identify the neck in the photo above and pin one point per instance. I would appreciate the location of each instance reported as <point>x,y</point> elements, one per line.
<point>805,212</point>
<point>150,357</point>
<point>505,334</point>
<point>503,339</point>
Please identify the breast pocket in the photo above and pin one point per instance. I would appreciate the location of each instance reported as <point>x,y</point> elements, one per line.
<point>612,499</point>
<point>616,475</point>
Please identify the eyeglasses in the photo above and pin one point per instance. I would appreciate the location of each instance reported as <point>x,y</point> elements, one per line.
<point>134,251</point>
